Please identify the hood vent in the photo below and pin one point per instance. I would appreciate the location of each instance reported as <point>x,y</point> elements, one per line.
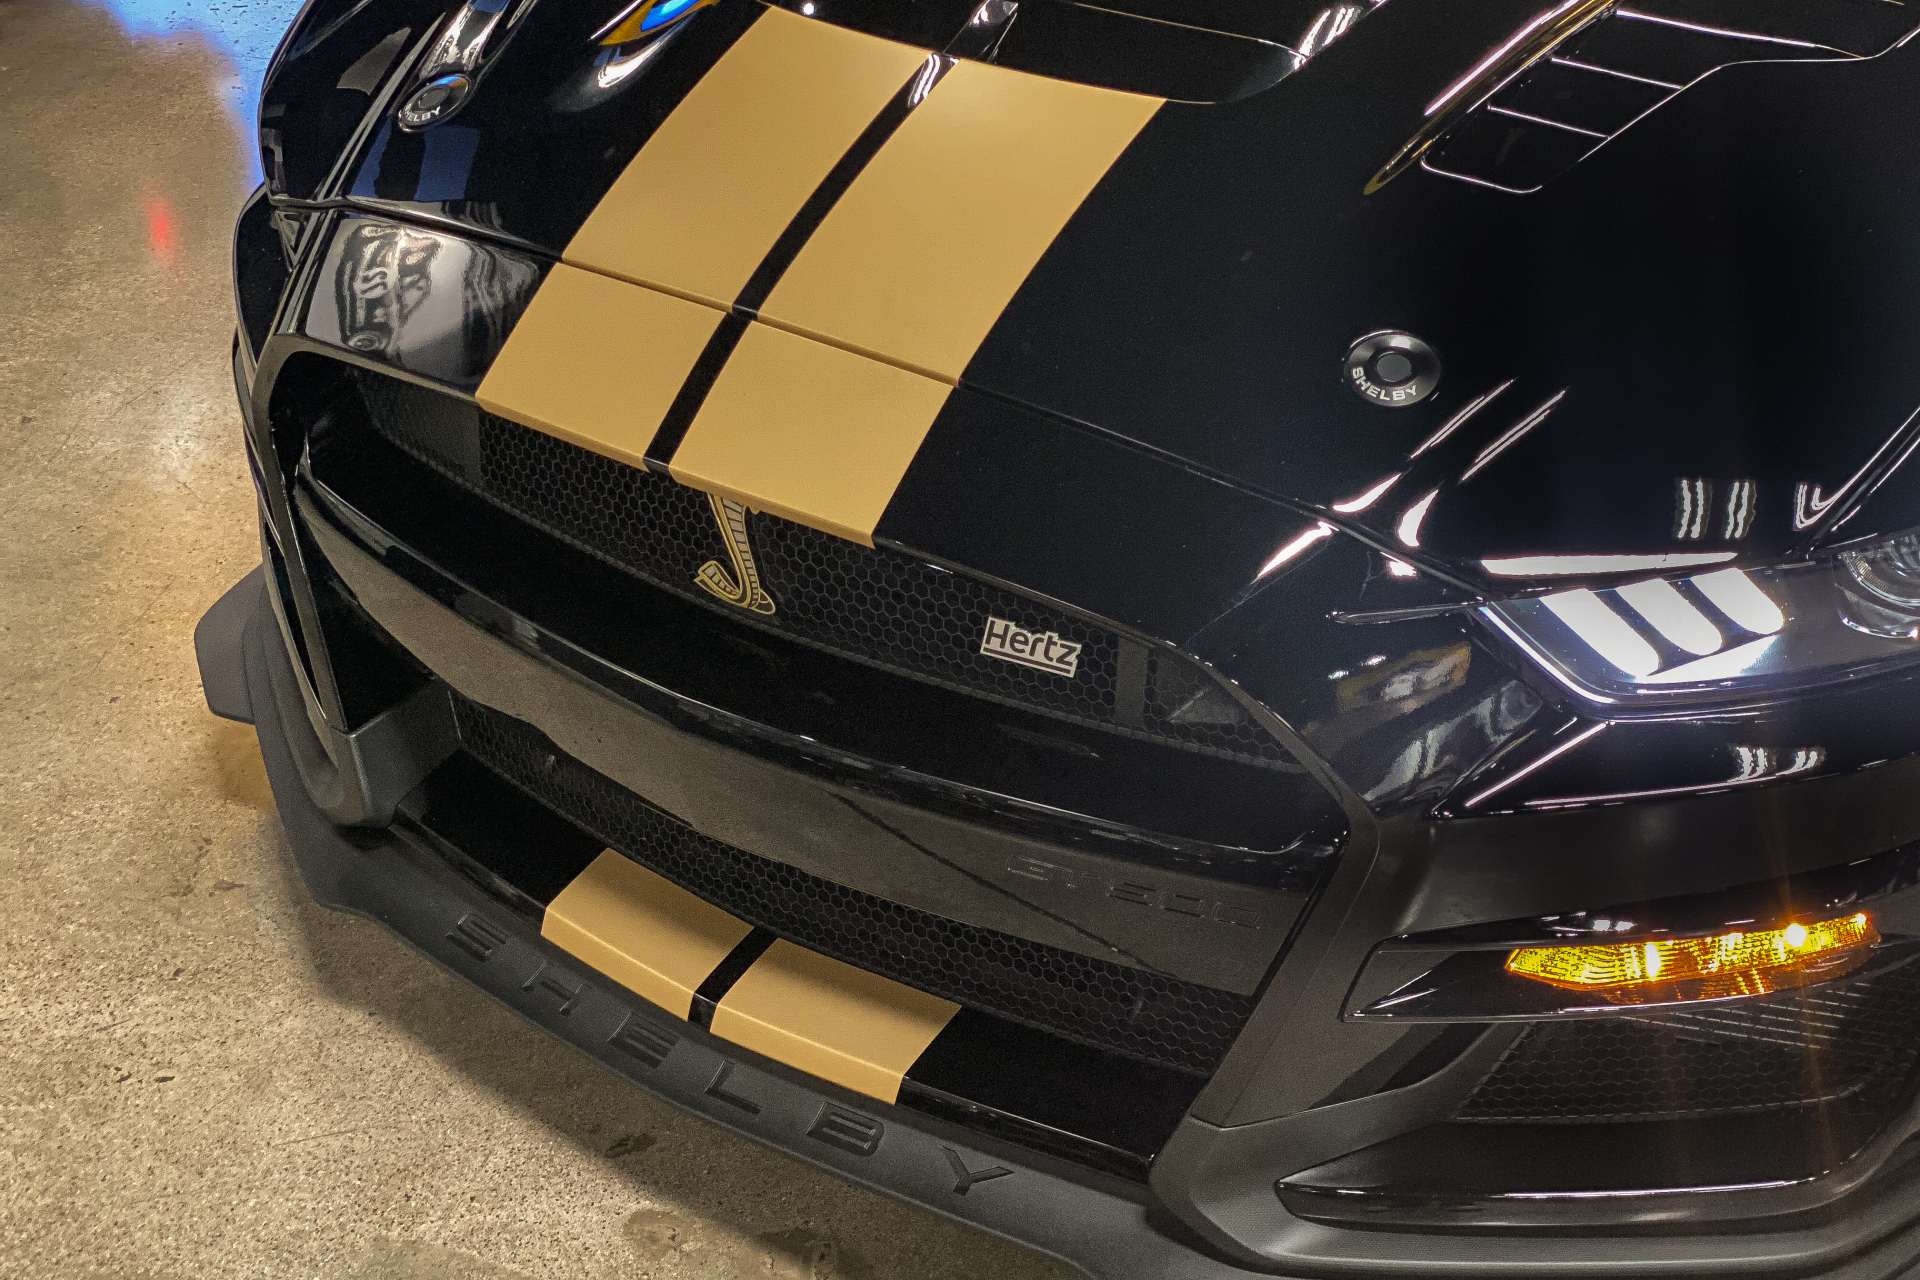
<point>1209,51</point>
<point>1527,127</point>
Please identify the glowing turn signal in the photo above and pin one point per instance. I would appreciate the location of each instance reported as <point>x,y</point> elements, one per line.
<point>1729,964</point>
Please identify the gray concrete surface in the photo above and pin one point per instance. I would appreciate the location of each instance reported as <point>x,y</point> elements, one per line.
<point>202,1073</point>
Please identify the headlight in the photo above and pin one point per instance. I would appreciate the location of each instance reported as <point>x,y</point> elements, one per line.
<point>1727,633</point>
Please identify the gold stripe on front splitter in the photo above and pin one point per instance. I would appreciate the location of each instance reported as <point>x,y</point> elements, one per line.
<point>843,1024</point>
<point>597,361</point>
<point>646,933</point>
<point>919,258</point>
<point>701,204</point>
<point>807,431</point>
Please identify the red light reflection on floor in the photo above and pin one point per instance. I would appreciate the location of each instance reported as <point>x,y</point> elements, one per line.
<point>163,229</point>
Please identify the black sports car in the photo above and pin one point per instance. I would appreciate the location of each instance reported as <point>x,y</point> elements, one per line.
<point>1226,637</point>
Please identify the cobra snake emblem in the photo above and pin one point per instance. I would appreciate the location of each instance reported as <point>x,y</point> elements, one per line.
<point>740,586</point>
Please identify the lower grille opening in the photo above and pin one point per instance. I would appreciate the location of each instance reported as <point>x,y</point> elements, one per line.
<point>984,1072</point>
<point>1846,1040</point>
<point>1120,1010</point>
<point>1750,1097</point>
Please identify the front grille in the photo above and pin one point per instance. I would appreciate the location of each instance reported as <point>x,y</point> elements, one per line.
<point>873,605</point>
<point>1854,1039</point>
<point>1125,1011</point>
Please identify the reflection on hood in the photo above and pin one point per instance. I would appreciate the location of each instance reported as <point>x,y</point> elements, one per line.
<point>425,302</point>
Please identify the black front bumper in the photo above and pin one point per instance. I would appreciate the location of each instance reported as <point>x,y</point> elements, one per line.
<point>1105,1225</point>
<point>396,880</point>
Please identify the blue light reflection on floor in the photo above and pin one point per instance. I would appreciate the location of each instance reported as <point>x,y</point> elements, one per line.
<point>244,33</point>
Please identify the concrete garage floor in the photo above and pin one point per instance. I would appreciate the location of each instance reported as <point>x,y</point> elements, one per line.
<point>205,1074</point>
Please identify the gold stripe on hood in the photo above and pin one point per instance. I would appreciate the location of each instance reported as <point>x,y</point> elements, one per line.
<point>807,431</point>
<point>919,258</point>
<point>701,204</point>
<point>597,362</point>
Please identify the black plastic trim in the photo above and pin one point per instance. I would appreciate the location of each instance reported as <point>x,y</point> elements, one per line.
<point>396,879</point>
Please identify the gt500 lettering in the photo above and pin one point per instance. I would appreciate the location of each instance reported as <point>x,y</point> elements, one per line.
<point>1041,650</point>
<point>1217,910</point>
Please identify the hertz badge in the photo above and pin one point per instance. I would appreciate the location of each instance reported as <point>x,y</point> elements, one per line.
<point>741,586</point>
<point>1041,650</point>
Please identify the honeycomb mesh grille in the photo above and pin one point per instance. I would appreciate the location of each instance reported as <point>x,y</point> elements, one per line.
<point>877,603</point>
<point>1852,1039</point>
<point>870,604</point>
<point>1125,1011</point>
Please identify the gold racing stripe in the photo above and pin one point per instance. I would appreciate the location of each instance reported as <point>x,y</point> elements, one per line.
<point>843,1024</point>
<point>701,204</point>
<point>820,409</point>
<point>918,259</point>
<point>807,431</point>
<point>597,362</point>
<point>646,933</point>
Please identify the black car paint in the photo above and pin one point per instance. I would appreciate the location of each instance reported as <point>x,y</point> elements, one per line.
<point>1182,367</point>
<point>1691,316</point>
<point>1185,553</point>
<point>1194,316</point>
<point>1683,351</point>
<point>1697,288</point>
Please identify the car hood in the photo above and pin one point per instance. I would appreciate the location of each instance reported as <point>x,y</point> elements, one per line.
<point>1690,347</point>
<point>1682,346</point>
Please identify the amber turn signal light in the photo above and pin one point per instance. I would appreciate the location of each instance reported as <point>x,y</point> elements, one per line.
<point>1727,964</point>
